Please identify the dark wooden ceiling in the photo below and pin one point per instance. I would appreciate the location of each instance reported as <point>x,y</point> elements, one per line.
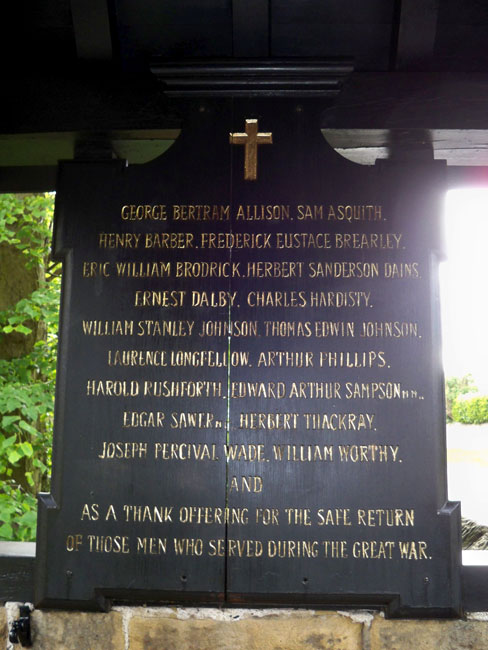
<point>76,67</point>
<point>381,35</point>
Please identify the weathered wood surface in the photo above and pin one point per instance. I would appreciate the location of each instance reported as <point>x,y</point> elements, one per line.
<point>17,571</point>
<point>333,414</point>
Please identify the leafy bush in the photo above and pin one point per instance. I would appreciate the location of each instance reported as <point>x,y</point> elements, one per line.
<point>456,386</point>
<point>470,409</point>
<point>27,382</point>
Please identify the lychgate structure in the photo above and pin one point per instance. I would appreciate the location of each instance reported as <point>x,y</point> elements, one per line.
<point>250,404</point>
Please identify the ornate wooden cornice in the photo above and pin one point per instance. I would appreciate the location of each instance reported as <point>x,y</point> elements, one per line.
<point>253,77</point>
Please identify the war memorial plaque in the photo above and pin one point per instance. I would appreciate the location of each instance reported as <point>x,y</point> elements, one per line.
<point>250,392</point>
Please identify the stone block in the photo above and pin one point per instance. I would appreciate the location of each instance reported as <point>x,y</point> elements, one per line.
<point>3,628</point>
<point>428,635</point>
<point>321,631</point>
<point>56,630</point>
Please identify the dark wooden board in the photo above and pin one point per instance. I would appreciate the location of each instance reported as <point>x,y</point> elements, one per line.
<point>329,358</point>
<point>475,588</point>
<point>335,481</point>
<point>182,418</point>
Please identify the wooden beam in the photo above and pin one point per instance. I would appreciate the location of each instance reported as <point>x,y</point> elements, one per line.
<point>28,179</point>
<point>85,103</point>
<point>406,100</point>
<point>17,571</point>
<point>45,149</point>
<point>416,34</point>
<point>459,147</point>
<point>250,28</point>
<point>253,77</point>
<point>91,25</point>
<point>28,161</point>
<point>367,101</point>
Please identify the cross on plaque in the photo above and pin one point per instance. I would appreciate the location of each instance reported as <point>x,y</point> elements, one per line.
<point>251,139</point>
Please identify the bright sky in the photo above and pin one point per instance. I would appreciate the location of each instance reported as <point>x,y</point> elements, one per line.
<point>464,286</point>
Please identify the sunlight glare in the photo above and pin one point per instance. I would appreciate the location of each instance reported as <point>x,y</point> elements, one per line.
<point>464,290</point>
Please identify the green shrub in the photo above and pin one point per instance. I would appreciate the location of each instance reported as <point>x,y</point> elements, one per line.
<point>470,409</point>
<point>27,381</point>
<point>456,386</point>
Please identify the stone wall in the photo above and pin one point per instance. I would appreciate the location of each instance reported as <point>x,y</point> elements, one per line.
<point>168,628</point>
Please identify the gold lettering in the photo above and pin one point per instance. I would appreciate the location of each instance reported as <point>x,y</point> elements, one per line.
<point>124,450</point>
<point>339,421</point>
<point>413,550</point>
<point>335,549</point>
<point>267,269</point>
<point>298,516</point>
<point>369,453</point>
<point>389,329</point>
<point>267,516</point>
<point>143,212</point>
<point>151,545</point>
<point>108,544</point>
<point>263,213</point>
<point>373,550</point>
<point>188,546</point>
<point>118,240</point>
<point>268,421</point>
<point>364,270</point>
<point>402,270</point>
<point>201,212</point>
<point>96,269</point>
<point>90,511</point>
<point>333,517</point>
<point>159,298</point>
<point>73,542</point>
<point>246,484</point>
<point>378,390</point>
<point>169,240</point>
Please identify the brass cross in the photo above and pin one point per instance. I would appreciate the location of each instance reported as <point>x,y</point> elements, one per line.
<point>251,139</point>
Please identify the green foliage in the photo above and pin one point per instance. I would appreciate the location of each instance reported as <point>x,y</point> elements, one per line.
<point>456,386</point>
<point>25,222</point>
<point>27,382</point>
<point>470,409</point>
<point>18,513</point>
